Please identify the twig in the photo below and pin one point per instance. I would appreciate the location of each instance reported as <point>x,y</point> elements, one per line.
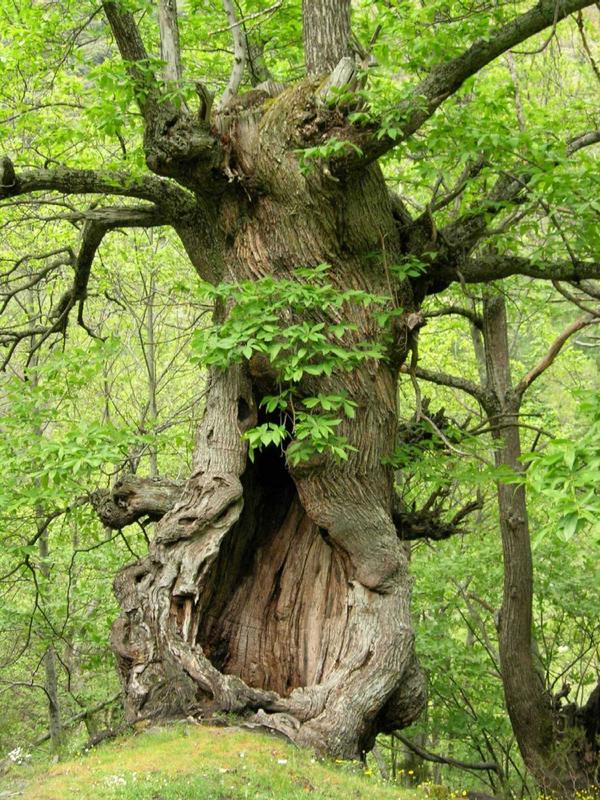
<point>452,762</point>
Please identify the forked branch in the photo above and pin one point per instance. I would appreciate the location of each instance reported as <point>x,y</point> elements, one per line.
<point>98,223</point>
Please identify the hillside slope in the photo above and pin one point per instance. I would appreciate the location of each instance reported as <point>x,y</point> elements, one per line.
<point>193,762</point>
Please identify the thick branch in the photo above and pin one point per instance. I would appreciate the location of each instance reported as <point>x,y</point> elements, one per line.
<point>133,498</point>
<point>444,80</point>
<point>98,223</point>
<point>133,52</point>
<point>484,269</point>
<point>164,193</point>
<point>581,141</point>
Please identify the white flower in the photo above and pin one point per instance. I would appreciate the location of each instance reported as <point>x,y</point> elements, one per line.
<point>115,780</point>
<point>18,756</point>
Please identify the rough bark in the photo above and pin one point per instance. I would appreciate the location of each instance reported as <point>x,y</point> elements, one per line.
<point>326,27</point>
<point>275,591</point>
<point>249,603</point>
<point>132,498</point>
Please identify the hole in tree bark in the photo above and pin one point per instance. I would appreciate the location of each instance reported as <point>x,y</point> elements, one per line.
<point>244,410</point>
<point>273,611</point>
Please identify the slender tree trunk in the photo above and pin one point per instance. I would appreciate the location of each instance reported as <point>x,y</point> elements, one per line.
<point>560,762</point>
<point>150,357</point>
<point>50,657</point>
<point>528,703</point>
<point>50,665</point>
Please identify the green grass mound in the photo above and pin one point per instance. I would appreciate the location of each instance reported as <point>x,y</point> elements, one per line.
<point>192,762</point>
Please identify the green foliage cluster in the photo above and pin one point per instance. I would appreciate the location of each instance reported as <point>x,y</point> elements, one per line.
<point>565,475</point>
<point>262,319</point>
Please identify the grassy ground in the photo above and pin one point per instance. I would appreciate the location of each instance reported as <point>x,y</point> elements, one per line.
<point>192,762</point>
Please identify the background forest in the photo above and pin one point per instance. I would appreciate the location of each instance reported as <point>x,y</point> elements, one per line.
<point>121,391</point>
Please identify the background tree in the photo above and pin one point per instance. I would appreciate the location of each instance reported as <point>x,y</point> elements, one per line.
<point>534,710</point>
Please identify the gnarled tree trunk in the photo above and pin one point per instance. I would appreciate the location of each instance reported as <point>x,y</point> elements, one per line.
<point>279,590</point>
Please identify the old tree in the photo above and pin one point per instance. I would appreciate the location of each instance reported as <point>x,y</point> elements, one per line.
<point>277,585</point>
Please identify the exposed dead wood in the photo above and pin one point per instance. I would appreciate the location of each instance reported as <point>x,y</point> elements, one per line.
<point>133,498</point>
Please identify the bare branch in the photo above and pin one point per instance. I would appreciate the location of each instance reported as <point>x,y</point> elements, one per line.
<point>67,259</point>
<point>471,170</point>
<point>249,18</point>
<point>413,525</point>
<point>586,46</point>
<point>493,267</point>
<point>239,55</point>
<point>98,223</point>
<point>557,345</point>
<point>164,193</point>
<point>452,762</point>
<point>447,311</point>
<point>452,381</point>
<point>170,51</point>
<point>87,712</point>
